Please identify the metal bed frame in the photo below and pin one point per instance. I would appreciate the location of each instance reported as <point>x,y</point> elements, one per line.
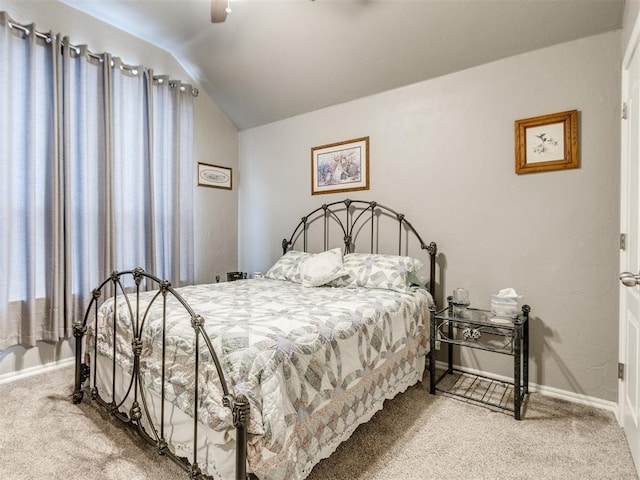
<point>355,218</point>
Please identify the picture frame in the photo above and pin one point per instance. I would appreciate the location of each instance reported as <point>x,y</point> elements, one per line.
<point>340,167</point>
<point>214,176</point>
<point>548,142</point>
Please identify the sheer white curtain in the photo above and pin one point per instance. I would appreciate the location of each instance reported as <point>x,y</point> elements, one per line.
<point>87,168</point>
<point>96,174</point>
<point>172,111</point>
<point>152,166</point>
<point>131,181</point>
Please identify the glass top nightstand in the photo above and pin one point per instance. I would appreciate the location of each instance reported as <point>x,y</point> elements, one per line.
<point>479,329</point>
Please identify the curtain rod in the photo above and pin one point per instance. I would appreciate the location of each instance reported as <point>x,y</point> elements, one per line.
<point>47,38</point>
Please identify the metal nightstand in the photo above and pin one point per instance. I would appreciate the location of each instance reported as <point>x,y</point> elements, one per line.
<point>473,328</point>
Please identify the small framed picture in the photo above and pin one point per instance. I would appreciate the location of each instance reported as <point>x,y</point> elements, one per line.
<point>340,167</point>
<point>548,142</point>
<point>214,176</point>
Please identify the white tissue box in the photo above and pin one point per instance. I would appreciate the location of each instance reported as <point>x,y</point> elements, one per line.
<point>504,307</point>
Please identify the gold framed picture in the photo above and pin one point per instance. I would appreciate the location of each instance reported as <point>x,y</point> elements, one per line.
<point>548,142</point>
<point>214,176</point>
<point>340,167</point>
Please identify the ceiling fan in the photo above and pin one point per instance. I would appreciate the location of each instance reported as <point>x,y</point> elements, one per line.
<point>220,9</point>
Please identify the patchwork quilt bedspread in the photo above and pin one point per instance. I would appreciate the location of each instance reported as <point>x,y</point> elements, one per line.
<point>314,362</point>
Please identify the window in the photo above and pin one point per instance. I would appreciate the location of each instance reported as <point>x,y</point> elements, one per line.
<point>96,162</point>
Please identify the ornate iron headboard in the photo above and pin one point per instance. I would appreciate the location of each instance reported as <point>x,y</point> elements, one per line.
<point>350,217</point>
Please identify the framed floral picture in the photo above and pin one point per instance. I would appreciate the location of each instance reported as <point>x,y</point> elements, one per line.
<point>340,167</point>
<point>548,142</point>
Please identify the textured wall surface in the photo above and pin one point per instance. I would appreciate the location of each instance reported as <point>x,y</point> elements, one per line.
<point>442,152</point>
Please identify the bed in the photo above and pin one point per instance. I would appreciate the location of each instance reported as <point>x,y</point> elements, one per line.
<point>265,377</point>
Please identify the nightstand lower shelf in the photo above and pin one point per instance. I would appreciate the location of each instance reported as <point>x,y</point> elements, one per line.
<point>478,389</point>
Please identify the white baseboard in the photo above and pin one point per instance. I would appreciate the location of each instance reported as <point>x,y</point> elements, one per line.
<point>533,387</point>
<point>29,372</point>
<point>547,391</point>
<point>576,398</point>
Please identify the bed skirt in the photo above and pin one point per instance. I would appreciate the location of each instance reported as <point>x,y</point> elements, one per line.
<point>314,439</point>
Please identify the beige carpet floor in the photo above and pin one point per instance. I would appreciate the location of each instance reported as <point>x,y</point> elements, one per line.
<point>417,436</point>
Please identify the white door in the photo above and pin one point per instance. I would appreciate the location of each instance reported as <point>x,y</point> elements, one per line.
<point>629,342</point>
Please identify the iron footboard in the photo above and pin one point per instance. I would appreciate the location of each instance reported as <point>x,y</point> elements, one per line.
<point>238,404</point>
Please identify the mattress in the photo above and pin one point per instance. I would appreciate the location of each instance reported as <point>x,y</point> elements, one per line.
<point>314,363</point>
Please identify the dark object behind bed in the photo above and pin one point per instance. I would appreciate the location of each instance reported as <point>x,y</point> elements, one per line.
<point>346,220</point>
<point>233,276</point>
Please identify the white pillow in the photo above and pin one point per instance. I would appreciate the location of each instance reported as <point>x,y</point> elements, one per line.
<point>321,268</point>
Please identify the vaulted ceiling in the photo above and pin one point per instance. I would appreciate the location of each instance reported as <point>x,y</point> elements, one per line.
<point>274,59</point>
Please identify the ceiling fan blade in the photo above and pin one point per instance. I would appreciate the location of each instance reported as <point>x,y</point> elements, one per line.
<point>219,10</point>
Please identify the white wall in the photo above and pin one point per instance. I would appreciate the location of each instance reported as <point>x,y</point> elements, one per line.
<point>216,141</point>
<point>631,9</point>
<point>442,152</point>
